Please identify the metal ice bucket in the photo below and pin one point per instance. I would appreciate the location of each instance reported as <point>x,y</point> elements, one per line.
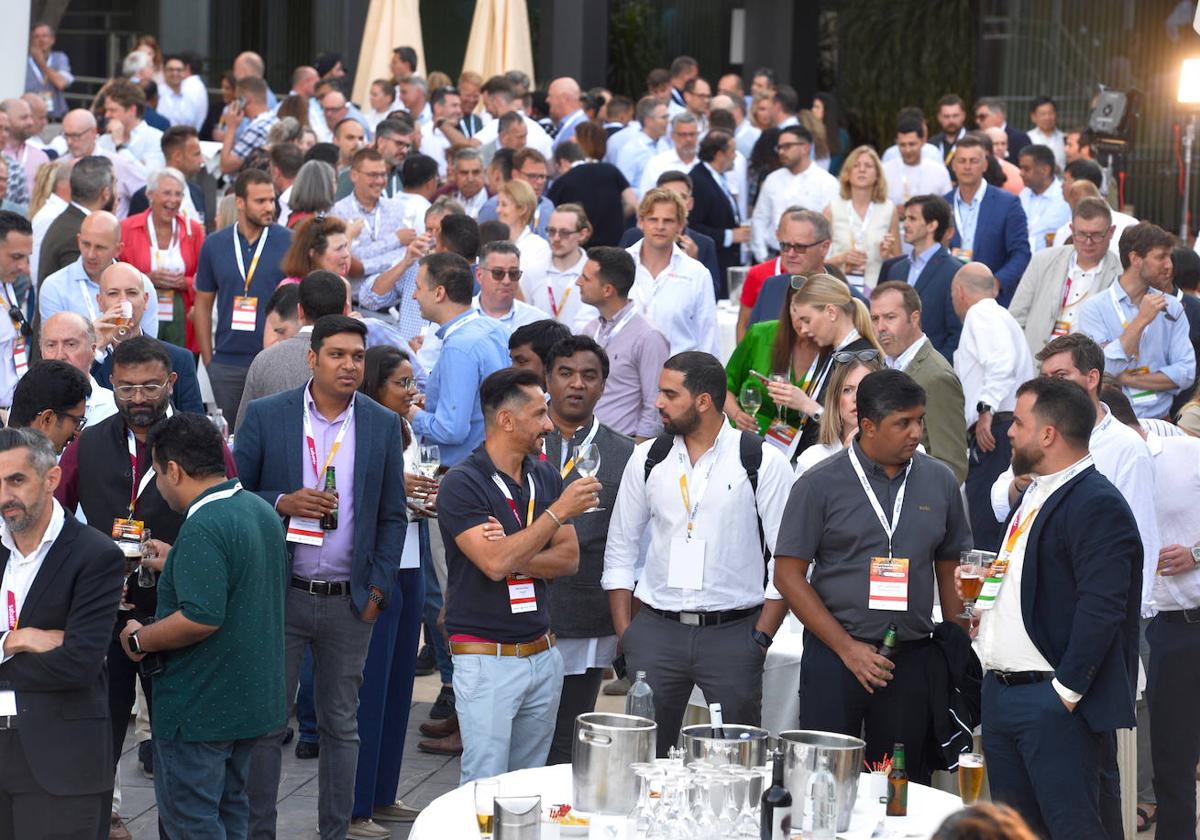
<point>802,751</point>
<point>518,818</point>
<point>601,754</point>
<point>743,745</point>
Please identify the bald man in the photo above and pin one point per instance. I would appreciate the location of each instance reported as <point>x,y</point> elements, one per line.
<point>74,288</point>
<point>992,361</point>
<point>252,64</point>
<point>71,338</point>
<point>304,83</point>
<point>20,129</point>
<point>563,98</point>
<point>81,134</point>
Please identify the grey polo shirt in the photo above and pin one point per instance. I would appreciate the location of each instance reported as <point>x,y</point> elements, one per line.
<point>829,521</point>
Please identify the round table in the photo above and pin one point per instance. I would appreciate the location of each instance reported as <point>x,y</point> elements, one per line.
<point>452,815</point>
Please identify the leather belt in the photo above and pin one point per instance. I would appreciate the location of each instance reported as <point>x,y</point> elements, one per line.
<point>321,587</point>
<point>1011,678</point>
<point>1191,616</point>
<point>704,619</point>
<point>522,649</point>
<point>8,722</point>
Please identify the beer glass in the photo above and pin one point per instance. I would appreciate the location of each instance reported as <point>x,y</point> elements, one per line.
<point>970,579</point>
<point>485,808</point>
<point>125,318</point>
<point>970,777</point>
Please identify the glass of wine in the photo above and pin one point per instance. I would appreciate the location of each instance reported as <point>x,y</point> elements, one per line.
<point>970,579</point>
<point>780,378</point>
<point>587,461</point>
<point>429,459</point>
<point>486,791</point>
<point>751,400</point>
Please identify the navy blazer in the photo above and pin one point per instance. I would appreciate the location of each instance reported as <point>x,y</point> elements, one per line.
<point>1017,140</point>
<point>1081,595</point>
<point>712,214</point>
<point>185,396</point>
<point>768,306</point>
<point>1001,239</point>
<point>938,319</point>
<point>706,250</point>
<point>269,452</point>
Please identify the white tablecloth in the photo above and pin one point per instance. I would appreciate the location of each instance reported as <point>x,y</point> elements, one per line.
<point>452,815</point>
<point>727,315</point>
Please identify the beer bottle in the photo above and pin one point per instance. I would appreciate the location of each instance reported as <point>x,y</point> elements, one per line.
<point>897,791</point>
<point>888,648</point>
<point>329,521</point>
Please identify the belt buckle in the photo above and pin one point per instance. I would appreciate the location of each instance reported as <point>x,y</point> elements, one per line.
<point>1191,616</point>
<point>1002,676</point>
<point>313,587</point>
<point>692,619</point>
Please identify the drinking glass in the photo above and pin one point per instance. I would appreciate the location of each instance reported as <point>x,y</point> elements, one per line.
<point>429,459</point>
<point>970,777</point>
<point>485,805</point>
<point>587,461</point>
<point>145,573</point>
<point>970,578</point>
<point>647,773</point>
<point>751,788</point>
<point>781,378</point>
<point>751,400</point>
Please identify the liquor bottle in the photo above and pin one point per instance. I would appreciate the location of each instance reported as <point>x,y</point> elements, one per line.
<point>776,814</point>
<point>888,648</point>
<point>718,721</point>
<point>329,521</point>
<point>897,794</point>
<point>640,699</point>
<point>218,420</point>
<point>824,801</point>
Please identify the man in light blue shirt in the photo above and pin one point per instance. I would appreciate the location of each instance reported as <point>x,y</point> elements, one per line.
<point>473,347</point>
<point>1144,333</point>
<point>652,115</point>
<point>1042,199</point>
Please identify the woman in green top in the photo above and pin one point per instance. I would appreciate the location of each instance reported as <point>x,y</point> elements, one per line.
<point>770,348</point>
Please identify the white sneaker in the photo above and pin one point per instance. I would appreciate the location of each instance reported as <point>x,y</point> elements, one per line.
<point>367,829</point>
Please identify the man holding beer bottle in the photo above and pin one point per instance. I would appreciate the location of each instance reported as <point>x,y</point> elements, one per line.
<point>331,465</point>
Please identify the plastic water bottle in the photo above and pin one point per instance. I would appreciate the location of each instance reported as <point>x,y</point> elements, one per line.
<point>218,420</point>
<point>824,802</point>
<point>640,699</point>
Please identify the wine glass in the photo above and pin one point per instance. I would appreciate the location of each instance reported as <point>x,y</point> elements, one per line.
<point>970,578</point>
<point>429,459</point>
<point>751,400</point>
<point>643,813</point>
<point>587,461</point>
<point>779,378</point>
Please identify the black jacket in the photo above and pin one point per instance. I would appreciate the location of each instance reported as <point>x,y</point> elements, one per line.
<point>955,680</point>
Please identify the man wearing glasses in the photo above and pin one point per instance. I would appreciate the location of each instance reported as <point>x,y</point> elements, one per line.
<point>555,292</point>
<point>16,244</point>
<point>499,274</point>
<point>796,183</point>
<point>51,398</point>
<point>374,221</point>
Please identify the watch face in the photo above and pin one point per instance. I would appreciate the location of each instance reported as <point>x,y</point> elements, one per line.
<point>1196,554</point>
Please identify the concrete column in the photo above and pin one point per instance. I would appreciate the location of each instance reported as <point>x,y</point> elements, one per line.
<point>782,35</point>
<point>574,41</point>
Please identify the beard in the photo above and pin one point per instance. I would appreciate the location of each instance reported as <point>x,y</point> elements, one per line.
<point>1024,462</point>
<point>142,416</point>
<point>685,424</point>
<point>19,518</point>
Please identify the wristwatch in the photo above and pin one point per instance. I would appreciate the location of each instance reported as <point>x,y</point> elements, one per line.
<point>134,644</point>
<point>761,638</point>
<point>982,408</point>
<point>375,597</point>
<point>1196,554</point>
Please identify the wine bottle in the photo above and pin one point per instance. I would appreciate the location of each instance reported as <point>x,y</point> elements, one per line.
<point>776,814</point>
<point>718,722</point>
<point>888,648</point>
<point>897,792</point>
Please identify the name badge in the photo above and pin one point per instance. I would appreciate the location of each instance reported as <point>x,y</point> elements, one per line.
<point>128,535</point>
<point>991,586</point>
<point>20,356</point>
<point>245,314</point>
<point>305,530</point>
<point>780,435</point>
<point>963,254</point>
<point>685,567</point>
<point>889,584</point>
<point>166,305</point>
<point>410,558</point>
<point>521,597</point>
<point>1060,328</point>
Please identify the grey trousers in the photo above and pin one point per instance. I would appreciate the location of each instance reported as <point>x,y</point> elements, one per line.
<point>723,660</point>
<point>339,640</point>
<point>228,382</point>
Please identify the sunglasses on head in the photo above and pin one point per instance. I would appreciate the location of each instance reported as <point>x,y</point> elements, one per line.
<point>843,357</point>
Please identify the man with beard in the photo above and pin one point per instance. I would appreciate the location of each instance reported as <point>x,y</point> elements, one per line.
<point>55,760</point>
<point>707,618</point>
<point>107,473</point>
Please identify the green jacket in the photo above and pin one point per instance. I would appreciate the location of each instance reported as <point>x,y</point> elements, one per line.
<point>754,353</point>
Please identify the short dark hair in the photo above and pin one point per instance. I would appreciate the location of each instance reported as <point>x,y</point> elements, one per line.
<point>175,137</point>
<point>286,157</point>
<point>951,99</point>
<point>52,385</point>
<point>1039,101</point>
<point>674,176</point>
<point>617,267</point>
<point>337,127</point>
<point>324,152</point>
<point>569,152</point>
<point>1113,396</point>
<point>250,176</point>
<point>503,386</point>
<point>367,154</point>
<point>507,120</point>
<point>934,209</point>
<point>910,125</point>
<point>573,344</point>
<point>331,325</point>
<point>503,160</point>
<point>418,170</point>
<point>393,126</point>
<point>283,301</point>
<point>1063,405</point>
<point>912,300</point>
<point>885,392</point>
<point>713,144</point>
<point>322,293</point>
<point>799,132</point>
<point>682,64</point>
<point>786,98</point>
<point>975,140</point>
<point>408,55</point>
<point>1041,155</point>
<point>1186,263</point>
<point>702,374</point>
<point>1092,208</point>
<point>191,441</point>
<point>1084,169</point>
<point>540,336</point>
<point>11,222</point>
<point>1141,239</point>
<point>498,246</point>
<point>141,350</point>
<point>452,273</point>
<point>439,94</point>
<point>492,231</point>
<point>1086,354</point>
<point>460,235</point>
<point>126,94</point>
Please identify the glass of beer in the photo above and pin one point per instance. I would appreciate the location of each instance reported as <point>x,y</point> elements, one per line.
<point>970,777</point>
<point>970,579</point>
<point>485,805</point>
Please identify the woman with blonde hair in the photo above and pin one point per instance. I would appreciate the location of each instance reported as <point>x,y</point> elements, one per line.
<point>514,207</point>
<point>865,226</point>
<point>839,422</point>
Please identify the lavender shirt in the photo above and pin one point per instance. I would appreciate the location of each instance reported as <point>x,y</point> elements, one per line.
<point>330,561</point>
<point>636,355</point>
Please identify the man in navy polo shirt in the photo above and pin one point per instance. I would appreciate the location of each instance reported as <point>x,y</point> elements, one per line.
<point>239,270</point>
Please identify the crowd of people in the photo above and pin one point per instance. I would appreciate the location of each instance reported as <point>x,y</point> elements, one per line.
<point>473,355</point>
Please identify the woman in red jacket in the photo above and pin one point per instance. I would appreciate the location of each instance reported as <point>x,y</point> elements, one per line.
<point>165,245</point>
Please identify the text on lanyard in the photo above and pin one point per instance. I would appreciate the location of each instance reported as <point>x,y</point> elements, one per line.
<point>311,442</point>
<point>136,487</point>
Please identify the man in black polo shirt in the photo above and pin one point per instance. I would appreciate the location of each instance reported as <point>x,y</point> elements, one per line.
<point>507,672</point>
<point>875,559</point>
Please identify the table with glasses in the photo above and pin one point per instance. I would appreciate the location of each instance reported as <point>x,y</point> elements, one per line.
<point>452,815</point>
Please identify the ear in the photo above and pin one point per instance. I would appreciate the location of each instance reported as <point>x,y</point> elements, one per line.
<point>312,359</point>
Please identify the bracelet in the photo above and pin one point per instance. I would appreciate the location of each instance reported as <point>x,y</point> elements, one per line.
<point>557,521</point>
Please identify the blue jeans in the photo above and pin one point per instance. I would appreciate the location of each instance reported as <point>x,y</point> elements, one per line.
<point>507,710</point>
<point>306,702</point>
<point>433,605</point>
<point>201,787</point>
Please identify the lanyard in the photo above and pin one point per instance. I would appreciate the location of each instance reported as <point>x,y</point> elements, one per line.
<point>616,326</point>
<point>570,464</point>
<point>1116,302</point>
<point>12,610</point>
<point>37,71</point>
<point>555,308</point>
<point>237,252</point>
<point>1018,528</point>
<point>512,504</point>
<point>858,239</point>
<point>692,509</point>
<point>136,487</point>
<point>312,444</point>
<point>889,527</point>
<point>155,250</point>
<point>215,497</point>
<point>373,216</point>
<point>470,316</point>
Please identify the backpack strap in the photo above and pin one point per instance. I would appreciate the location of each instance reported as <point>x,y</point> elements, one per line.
<point>750,450</point>
<point>658,451</point>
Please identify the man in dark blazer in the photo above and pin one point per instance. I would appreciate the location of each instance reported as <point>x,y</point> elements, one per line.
<point>990,113</point>
<point>929,269</point>
<point>714,211</point>
<point>988,220</point>
<point>341,577</point>
<point>92,188</point>
<point>1059,642</point>
<point>55,740</point>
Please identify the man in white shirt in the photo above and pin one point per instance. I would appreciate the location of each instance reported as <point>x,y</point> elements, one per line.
<point>992,360</point>
<point>674,291</point>
<point>554,292</point>
<point>16,241</point>
<point>127,133</point>
<point>79,131</point>
<point>685,137</point>
<point>500,98</point>
<point>912,172</point>
<point>706,617</point>
<point>745,133</point>
<point>797,183</point>
<point>499,275</point>
<point>442,134</point>
<point>69,337</point>
<point>1078,189</point>
<point>176,99</point>
<point>1044,116</point>
<point>1042,199</point>
<point>645,141</point>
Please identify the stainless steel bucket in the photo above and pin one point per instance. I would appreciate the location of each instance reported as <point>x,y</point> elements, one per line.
<point>518,818</point>
<point>802,749</point>
<point>604,748</point>
<point>744,745</point>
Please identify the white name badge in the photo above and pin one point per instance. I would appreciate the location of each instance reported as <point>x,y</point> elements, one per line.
<point>304,530</point>
<point>411,556</point>
<point>521,596</point>
<point>20,357</point>
<point>781,436</point>
<point>685,568</point>
<point>889,584</point>
<point>245,314</point>
<point>166,305</point>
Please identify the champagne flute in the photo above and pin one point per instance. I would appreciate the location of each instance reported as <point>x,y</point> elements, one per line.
<point>750,399</point>
<point>780,378</point>
<point>587,462</point>
<point>970,578</point>
<point>429,460</point>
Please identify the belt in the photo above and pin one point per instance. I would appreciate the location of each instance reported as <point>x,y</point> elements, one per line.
<point>1191,616</point>
<point>521,649</point>
<point>704,619</point>
<point>321,587</point>
<point>1011,678</point>
<point>8,722</point>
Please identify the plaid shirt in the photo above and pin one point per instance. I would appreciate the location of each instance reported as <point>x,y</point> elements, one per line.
<point>408,321</point>
<point>254,136</point>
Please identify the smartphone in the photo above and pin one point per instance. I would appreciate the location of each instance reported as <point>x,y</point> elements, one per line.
<point>619,668</point>
<point>241,103</point>
<point>764,379</point>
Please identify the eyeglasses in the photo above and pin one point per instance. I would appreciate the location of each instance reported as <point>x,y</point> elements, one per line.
<point>407,383</point>
<point>373,176</point>
<point>843,357</point>
<point>79,420</point>
<point>552,232</point>
<point>153,391</point>
<point>1090,238</point>
<point>533,176</point>
<point>799,247</point>
<point>498,274</point>
<point>783,147</point>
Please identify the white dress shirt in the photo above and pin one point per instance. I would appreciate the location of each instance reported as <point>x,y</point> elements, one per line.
<point>100,405</point>
<point>1177,477</point>
<point>1056,141</point>
<point>928,177</point>
<point>812,189</point>
<point>928,152</point>
<point>519,315</point>
<point>144,146</point>
<point>1120,222</point>
<point>473,204</point>
<point>555,293</point>
<point>680,301</point>
<point>660,163</point>
<point>285,208</point>
<point>992,359</point>
<point>725,519</point>
<point>535,137</point>
<point>180,108</point>
<point>436,144</point>
<point>1004,643</point>
<point>905,359</point>
<point>535,258</point>
<point>1046,212</point>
